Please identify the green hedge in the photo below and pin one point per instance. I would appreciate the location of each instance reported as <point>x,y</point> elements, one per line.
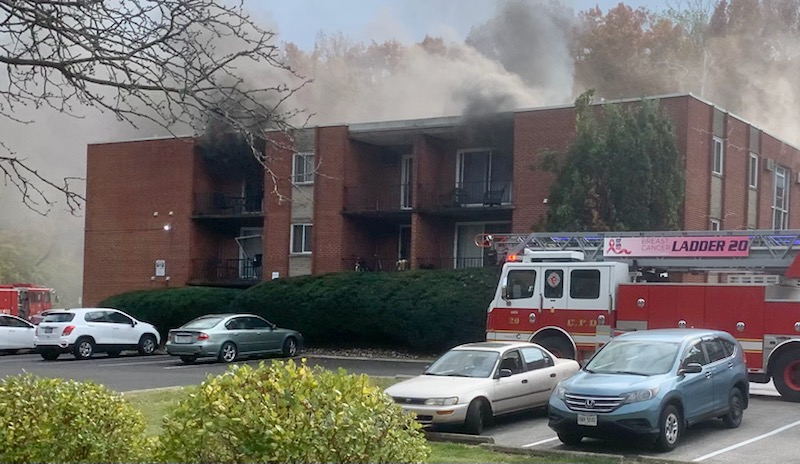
<point>426,311</point>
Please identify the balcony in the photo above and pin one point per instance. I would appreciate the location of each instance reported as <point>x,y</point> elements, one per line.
<point>390,200</point>
<point>473,200</point>
<point>218,204</point>
<point>387,265</point>
<point>225,272</point>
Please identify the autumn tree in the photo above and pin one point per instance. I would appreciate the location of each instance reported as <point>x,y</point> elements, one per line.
<point>177,64</point>
<point>622,172</point>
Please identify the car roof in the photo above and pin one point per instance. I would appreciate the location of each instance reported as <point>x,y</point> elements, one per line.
<point>671,335</point>
<point>78,310</point>
<point>493,346</point>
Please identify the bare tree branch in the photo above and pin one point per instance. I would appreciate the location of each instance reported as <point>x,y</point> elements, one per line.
<point>176,63</point>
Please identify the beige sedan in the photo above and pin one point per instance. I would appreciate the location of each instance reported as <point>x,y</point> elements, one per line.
<point>472,383</point>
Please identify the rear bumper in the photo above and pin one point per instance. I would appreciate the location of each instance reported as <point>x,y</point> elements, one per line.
<point>198,350</point>
<point>62,347</point>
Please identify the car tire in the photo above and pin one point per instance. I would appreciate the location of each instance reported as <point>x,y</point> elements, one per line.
<point>228,352</point>
<point>670,428</point>
<point>147,345</point>
<point>735,409</point>
<point>570,438</point>
<point>476,417</point>
<point>49,355</point>
<point>113,353</point>
<point>188,359</point>
<point>290,347</point>
<point>83,348</point>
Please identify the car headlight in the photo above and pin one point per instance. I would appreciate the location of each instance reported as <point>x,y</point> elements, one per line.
<point>560,392</point>
<point>441,401</point>
<point>641,395</point>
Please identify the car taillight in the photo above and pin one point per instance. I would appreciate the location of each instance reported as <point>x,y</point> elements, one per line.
<point>67,330</point>
<point>202,336</point>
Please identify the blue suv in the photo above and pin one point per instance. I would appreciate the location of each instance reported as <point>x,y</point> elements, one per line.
<point>653,384</point>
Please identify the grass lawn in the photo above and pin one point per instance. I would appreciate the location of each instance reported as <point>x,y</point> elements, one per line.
<point>155,404</point>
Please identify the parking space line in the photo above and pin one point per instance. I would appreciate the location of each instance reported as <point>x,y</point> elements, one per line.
<point>136,363</point>
<point>746,442</point>
<point>540,442</point>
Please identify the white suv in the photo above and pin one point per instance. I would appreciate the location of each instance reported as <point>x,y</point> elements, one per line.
<point>84,331</point>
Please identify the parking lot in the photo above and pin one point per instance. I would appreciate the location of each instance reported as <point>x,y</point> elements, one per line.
<point>768,433</point>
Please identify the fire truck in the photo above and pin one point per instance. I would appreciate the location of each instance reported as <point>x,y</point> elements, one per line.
<point>572,292</point>
<point>25,300</point>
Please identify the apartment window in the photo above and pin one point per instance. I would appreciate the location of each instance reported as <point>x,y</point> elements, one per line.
<point>780,199</point>
<point>753,170</point>
<point>719,156</point>
<point>303,168</point>
<point>715,224</point>
<point>301,238</point>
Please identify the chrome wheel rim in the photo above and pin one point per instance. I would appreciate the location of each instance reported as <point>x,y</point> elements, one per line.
<point>148,345</point>
<point>292,348</point>
<point>85,349</point>
<point>228,353</point>
<point>671,428</point>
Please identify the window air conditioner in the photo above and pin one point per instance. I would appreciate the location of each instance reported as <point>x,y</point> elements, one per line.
<point>770,164</point>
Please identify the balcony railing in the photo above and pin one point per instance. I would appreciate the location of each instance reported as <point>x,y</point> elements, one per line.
<point>392,197</point>
<point>466,194</point>
<point>226,271</point>
<point>389,265</point>
<point>220,204</point>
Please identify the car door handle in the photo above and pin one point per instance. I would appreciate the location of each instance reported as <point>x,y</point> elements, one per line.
<point>524,380</point>
<point>708,375</point>
<point>730,365</point>
<point>553,375</point>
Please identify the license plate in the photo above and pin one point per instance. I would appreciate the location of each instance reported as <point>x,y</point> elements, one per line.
<point>587,419</point>
<point>48,330</point>
<point>183,339</point>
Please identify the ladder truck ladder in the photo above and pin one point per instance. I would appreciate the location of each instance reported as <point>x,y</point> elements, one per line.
<point>770,251</point>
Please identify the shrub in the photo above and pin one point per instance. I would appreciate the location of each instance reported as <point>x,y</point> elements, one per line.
<point>55,420</point>
<point>287,412</point>
<point>171,308</point>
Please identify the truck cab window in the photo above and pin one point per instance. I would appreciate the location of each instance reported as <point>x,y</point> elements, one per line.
<point>554,283</point>
<point>520,283</point>
<point>585,284</point>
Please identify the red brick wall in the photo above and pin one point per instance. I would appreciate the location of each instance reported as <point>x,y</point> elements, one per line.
<point>126,184</point>
<point>534,133</point>
<point>788,157</point>
<point>277,205</point>
<point>736,172</point>
<point>696,124</point>
<point>334,158</point>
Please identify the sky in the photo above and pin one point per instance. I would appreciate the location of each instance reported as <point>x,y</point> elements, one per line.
<point>300,21</point>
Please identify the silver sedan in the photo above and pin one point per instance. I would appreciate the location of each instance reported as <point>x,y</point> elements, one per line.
<point>472,383</point>
<point>229,337</point>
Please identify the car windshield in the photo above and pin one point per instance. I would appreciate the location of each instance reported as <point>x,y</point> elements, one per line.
<point>636,357</point>
<point>203,323</point>
<point>464,363</point>
<point>59,317</point>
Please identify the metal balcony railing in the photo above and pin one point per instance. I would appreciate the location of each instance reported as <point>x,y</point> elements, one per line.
<point>466,194</point>
<point>220,204</point>
<point>226,271</point>
<point>392,197</point>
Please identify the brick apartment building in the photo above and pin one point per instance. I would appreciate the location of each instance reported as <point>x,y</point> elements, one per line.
<point>376,193</point>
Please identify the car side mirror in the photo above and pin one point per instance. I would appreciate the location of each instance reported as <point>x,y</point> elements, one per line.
<point>273,326</point>
<point>691,368</point>
<point>505,373</point>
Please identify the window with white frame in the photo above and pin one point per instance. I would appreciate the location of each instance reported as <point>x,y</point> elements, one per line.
<point>780,199</point>
<point>303,168</point>
<point>715,224</point>
<point>719,156</point>
<point>301,238</point>
<point>753,170</point>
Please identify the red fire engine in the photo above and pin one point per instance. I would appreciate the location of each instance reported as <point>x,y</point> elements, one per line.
<point>572,292</point>
<point>24,300</point>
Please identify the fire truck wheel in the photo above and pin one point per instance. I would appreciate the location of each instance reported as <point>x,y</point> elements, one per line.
<point>736,409</point>
<point>786,375</point>
<point>559,346</point>
<point>670,429</point>
<point>83,349</point>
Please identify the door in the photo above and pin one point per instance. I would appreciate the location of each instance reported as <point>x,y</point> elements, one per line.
<point>697,389</point>
<point>406,181</point>
<point>473,174</point>
<point>541,373</point>
<point>100,327</point>
<point>514,392</point>
<point>263,338</point>
<point>722,372</point>
<point>123,330</point>
<point>15,333</point>
<point>251,249</point>
<point>239,333</point>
